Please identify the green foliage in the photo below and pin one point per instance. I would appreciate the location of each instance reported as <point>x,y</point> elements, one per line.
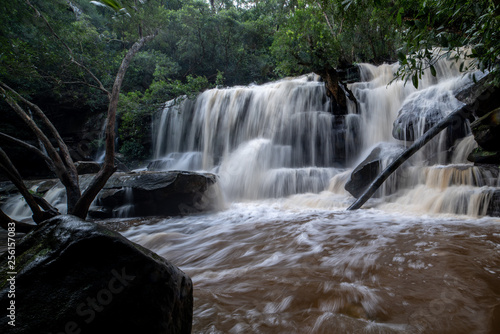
<point>136,110</point>
<point>467,31</point>
<point>325,34</point>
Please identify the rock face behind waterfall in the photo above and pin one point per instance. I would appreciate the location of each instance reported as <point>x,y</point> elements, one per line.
<point>156,193</point>
<point>75,276</point>
<point>486,132</point>
<point>484,100</point>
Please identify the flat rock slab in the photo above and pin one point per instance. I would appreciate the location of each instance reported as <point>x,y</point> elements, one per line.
<point>156,193</point>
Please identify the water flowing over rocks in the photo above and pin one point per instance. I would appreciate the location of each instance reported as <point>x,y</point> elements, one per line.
<point>284,256</point>
<point>424,109</point>
<point>77,276</point>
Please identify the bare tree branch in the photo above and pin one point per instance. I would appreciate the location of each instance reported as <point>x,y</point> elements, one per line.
<point>11,172</point>
<point>28,147</point>
<point>68,176</point>
<point>20,227</point>
<point>108,167</point>
<point>70,51</point>
<point>63,148</point>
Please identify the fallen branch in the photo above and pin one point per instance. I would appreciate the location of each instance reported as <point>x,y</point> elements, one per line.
<point>11,172</point>
<point>456,117</point>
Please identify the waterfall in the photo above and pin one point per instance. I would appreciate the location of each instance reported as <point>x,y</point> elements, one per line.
<point>264,141</point>
<point>280,139</point>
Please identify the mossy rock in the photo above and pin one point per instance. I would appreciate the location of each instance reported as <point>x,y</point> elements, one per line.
<point>76,276</point>
<point>481,156</point>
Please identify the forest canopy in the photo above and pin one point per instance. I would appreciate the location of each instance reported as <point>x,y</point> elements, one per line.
<point>204,44</point>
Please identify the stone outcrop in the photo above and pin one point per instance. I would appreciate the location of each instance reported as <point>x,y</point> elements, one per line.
<point>484,102</point>
<point>155,193</point>
<point>363,175</point>
<point>494,204</point>
<point>87,167</point>
<point>486,131</point>
<point>75,276</point>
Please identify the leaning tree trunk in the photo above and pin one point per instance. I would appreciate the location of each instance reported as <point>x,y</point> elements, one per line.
<point>455,118</point>
<point>108,168</point>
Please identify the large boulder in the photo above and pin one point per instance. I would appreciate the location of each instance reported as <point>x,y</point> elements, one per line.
<point>481,156</point>
<point>155,193</point>
<point>424,109</point>
<point>75,276</point>
<point>366,171</point>
<point>87,167</point>
<point>481,96</point>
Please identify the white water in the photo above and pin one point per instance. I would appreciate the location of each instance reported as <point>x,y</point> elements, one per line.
<point>285,256</point>
<point>280,139</point>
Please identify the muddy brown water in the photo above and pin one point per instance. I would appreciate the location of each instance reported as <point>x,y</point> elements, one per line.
<point>267,268</point>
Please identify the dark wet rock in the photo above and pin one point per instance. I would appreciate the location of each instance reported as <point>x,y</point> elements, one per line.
<point>364,174</point>
<point>75,276</point>
<point>87,167</point>
<point>482,97</point>
<point>155,193</point>
<point>494,204</point>
<point>481,156</point>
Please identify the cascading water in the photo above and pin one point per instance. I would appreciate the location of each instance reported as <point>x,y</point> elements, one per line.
<point>264,141</point>
<point>281,139</point>
<point>285,256</point>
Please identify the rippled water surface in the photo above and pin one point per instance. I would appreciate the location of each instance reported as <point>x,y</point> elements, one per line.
<point>271,267</point>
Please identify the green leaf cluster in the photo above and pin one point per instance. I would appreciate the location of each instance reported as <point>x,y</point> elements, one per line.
<point>464,30</point>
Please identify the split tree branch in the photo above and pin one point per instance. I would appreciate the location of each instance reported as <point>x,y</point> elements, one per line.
<point>28,147</point>
<point>108,167</point>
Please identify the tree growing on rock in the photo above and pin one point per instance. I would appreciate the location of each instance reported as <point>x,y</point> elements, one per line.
<point>325,36</point>
<point>131,17</point>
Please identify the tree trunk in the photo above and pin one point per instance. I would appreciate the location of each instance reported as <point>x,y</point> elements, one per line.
<point>108,168</point>
<point>336,88</point>
<point>455,118</point>
<point>62,163</point>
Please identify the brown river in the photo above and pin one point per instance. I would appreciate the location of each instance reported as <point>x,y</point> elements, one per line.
<point>269,267</point>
